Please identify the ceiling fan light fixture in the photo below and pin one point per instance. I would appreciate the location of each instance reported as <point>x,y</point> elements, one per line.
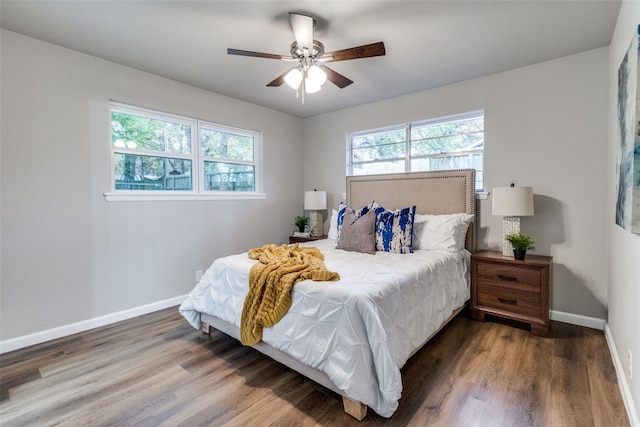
<point>316,75</point>
<point>293,78</point>
<point>310,87</point>
<point>307,76</point>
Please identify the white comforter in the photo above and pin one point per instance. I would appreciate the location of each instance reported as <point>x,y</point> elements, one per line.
<point>360,330</point>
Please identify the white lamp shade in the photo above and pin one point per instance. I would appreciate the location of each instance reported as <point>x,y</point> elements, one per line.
<point>315,200</point>
<point>316,75</point>
<point>293,78</point>
<point>309,87</point>
<point>513,201</point>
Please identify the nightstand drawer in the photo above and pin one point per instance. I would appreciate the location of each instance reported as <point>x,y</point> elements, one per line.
<point>497,274</point>
<point>515,301</point>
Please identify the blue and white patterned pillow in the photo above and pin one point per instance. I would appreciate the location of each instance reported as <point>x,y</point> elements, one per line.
<point>394,230</point>
<point>375,206</point>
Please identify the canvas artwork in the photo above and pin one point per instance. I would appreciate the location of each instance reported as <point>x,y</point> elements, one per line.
<point>635,208</point>
<point>627,126</point>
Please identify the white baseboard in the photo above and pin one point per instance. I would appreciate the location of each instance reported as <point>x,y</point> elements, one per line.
<point>66,330</point>
<point>623,384</point>
<point>63,331</point>
<point>577,319</point>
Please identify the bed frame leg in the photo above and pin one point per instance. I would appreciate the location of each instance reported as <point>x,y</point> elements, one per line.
<point>356,409</point>
<point>204,327</point>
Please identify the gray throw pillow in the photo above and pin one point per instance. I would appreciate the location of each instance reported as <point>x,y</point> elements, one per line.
<point>358,234</point>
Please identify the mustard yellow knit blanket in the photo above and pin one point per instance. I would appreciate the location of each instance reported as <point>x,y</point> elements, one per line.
<point>270,283</point>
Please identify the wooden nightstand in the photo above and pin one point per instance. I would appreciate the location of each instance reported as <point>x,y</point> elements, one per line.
<point>293,239</point>
<point>517,290</point>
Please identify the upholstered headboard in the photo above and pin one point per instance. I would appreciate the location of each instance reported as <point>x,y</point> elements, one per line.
<point>437,192</point>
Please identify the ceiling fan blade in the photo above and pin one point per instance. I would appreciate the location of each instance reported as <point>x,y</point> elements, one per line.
<point>256,54</point>
<point>302,26</point>
<point>335,77</point>
<point>280,79</point>
<point>364,51</point>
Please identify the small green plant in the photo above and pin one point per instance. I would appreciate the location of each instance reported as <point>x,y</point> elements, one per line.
<point>301,222</point>
<point>521,242</point>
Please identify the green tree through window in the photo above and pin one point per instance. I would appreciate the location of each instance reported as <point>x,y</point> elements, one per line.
<point>153,151</point>
<point>439,144</point>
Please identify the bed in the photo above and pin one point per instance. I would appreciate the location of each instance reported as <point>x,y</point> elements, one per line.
<point>353,336</point>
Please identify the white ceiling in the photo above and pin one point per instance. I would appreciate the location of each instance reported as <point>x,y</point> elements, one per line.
<point>428,43</point>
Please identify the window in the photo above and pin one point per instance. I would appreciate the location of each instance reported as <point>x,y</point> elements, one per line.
<point>159,154</point>
<point>447,143</point>
<point>229,159</point>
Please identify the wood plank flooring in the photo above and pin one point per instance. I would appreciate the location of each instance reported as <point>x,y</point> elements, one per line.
<point>157,370</point>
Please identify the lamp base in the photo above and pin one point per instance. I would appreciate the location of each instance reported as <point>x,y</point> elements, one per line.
<point>316,224</point>
<point>510,225</point>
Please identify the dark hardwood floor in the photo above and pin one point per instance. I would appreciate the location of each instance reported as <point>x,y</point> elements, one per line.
<point>157,370</point>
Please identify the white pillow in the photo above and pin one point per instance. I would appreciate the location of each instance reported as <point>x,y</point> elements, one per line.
<point>333,226</point>
<point>440,232</point>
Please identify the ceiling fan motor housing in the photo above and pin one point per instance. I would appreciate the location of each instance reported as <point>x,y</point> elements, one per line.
<point>297,52</point>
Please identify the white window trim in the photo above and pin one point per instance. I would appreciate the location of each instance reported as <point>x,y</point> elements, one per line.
<point>197,169</point>
<point>119,197</point>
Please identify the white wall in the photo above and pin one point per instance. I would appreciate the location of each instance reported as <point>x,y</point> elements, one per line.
<point>67,254</point>
<point>624,248</point>
<point>545,127</point>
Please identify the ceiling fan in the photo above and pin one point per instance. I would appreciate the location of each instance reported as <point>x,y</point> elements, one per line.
<point>310,73</point>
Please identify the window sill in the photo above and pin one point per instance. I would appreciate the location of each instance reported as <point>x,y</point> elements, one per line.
<point>482,195</point>
<point>119,197</point>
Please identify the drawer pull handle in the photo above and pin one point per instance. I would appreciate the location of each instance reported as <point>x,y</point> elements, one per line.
<point>507,278</point>
<point>508,301</point>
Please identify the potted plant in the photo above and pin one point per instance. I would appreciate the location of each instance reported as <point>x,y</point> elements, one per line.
<point>301,222</point>
<point>521,244</point>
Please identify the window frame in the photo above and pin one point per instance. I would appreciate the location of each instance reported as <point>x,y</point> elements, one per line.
<point>196,157</point>
<point>408,143</point>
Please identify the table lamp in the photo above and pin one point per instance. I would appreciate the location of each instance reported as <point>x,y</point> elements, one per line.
<point>315,201</point>
<point>512,203</point>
